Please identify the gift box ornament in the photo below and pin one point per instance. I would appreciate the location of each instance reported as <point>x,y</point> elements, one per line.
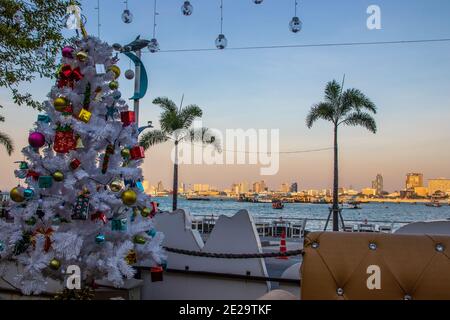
<point>68,76</point>
<point>74,164</point>
<point>84,115</point>
<point>156,274</point>
<point>137,152</point>
<point>45,182</point>
<point>43,118</point>
<point>64,140</point>
<point>119,224</point>
<point>131,257</point>
<point>99,216</point>
<point>81,209</point>
<point>127,118</point>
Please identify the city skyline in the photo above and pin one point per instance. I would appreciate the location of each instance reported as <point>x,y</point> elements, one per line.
<point>276,88</point>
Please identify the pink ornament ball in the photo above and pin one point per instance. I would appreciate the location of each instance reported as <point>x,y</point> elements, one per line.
<point>67,52</point>
<point>36,139</point>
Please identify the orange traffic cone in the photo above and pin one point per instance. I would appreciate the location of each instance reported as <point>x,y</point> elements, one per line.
<point>283,246</point>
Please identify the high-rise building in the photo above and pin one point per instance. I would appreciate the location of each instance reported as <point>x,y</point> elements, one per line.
<point>259,186</point>
<point>201,187</point>
<point>294,187</point>
<point>160,187</point>
<point>377,184</point>
<point>243,187</point>
<point>414,180</point>
<point>284,188</point>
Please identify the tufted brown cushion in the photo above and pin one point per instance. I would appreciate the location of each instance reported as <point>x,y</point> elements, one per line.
<point>411,266</point>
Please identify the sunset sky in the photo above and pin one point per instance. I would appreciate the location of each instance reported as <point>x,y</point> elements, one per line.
<point>274,89</point>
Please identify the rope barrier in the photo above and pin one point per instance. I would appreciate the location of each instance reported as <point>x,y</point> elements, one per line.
<point>234,255</point>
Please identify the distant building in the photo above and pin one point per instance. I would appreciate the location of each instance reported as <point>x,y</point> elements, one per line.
<point>369,192</point>
<point>201,187</point>
<point>243,187</point>
<point>439,186</point>
<point>284,188</point>
<point>414,180</point>
<point>160,187</point>
<point>259,187</point>
<point>313,193</point>
<point>294,187</point>
<point>377,184</point>
<point>421,191</point>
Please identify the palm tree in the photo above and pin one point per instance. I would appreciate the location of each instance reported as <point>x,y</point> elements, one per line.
<point>351,108</point>
<point>176,126</point>
<point>5,140</point>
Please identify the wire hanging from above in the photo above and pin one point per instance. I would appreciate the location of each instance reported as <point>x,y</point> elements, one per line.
<point>295,25</point>
<point>98,18</point>
<point>127,16</point>
<point>187,9</point>
<point>221,41</point>
<point>153,46</point>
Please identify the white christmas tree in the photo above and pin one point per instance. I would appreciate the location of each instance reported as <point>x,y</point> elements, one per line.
<point>81,200</point>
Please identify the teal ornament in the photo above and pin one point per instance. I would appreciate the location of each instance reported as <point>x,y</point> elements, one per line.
<point>43,118</point>
<point>100,238</point>
<point>111,112</point>
<point>119,224</point>
<point>2,246</point>
<point>23,165</point>
<point>140,186</point>
<point>28,193</point>
<point>151,233</point>
<point>45,182</point>
<point>164,265</point>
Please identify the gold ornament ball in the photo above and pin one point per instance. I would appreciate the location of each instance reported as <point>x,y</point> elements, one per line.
<point>145,212</point>
<point>16,195</point>
<point>129,197</point>
<point>82,56</point>
<point>114,85</point>
<point>60,103</point>
<point>55,264</point>
<point>115,186</point>
<point>125,153</point>
<point>58,176</point>
<point>116,71</point>
<point>139,240</point>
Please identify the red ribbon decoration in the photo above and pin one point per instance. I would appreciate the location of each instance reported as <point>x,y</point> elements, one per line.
<point>33,174</point>
<point>99,216</point>
<point>154,209</point>
<point>67,76</point>
<point>47,233</point>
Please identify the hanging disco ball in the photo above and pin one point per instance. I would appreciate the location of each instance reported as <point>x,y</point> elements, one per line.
<point>187,8</point>
<point>295,25</point>
<point>129,74</point>
<point>258,1</point>
<point>127,16</point>
<point>221,42</point>
<point>153,46</point>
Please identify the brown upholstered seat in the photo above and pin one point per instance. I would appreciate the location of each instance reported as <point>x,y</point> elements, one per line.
<point>411,266</point>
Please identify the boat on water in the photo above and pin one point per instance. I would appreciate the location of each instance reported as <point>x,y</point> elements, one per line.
<point>434,203</point>
<point>277,204</point>
<point>355,205</point>
<point>197,198</point>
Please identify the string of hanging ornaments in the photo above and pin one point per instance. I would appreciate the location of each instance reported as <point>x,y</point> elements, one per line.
<point>127,16</point>
<point>221,41</point>
<point>187,9</point>
<point>296,24</point>
<point>153,46</point>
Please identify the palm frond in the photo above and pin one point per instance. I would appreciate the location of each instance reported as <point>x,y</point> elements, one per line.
<point>166,104</point>
<point>323,110</point>
<point>7,142</point>
<point>205,136</point>
<point>333,92</point>
<point>189,113</point>
<point>170,122</point>
<point>362,119</point>
<point>355,99</point>
<point>152,138</point>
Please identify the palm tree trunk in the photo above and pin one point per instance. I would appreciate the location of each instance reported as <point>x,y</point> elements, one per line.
<point>336,183</point>
<point>175,179</point>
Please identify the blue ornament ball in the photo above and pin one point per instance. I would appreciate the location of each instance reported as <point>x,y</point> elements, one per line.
<point>117,95</point>
<point>28,193</point>
<point>100,238</point>
<point>151,233</point>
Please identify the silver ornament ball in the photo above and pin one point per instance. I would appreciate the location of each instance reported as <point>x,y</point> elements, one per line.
<point>129,74</point>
